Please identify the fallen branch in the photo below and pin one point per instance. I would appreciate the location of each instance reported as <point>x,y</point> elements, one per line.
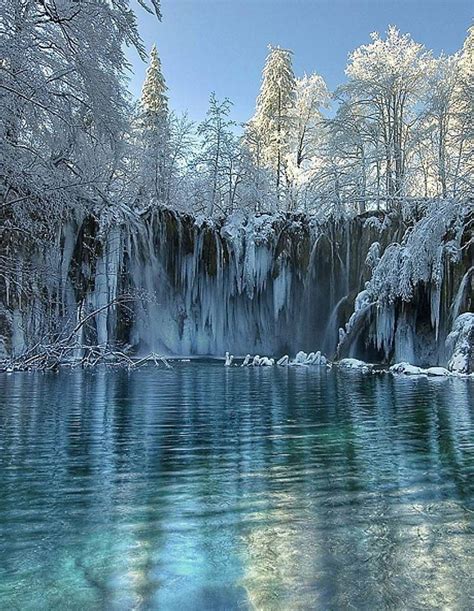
<point>52,357</point>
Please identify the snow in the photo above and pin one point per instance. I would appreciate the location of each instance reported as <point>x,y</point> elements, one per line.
<point>407,271</point>
<point>461,343</point>
<point>406,369</point>
<point>257,361</point>
<point>373,255</point>
<point>302,359</point>
<point>81,160</point>
<point>437,371</point>
<point>355,364</point>
<point>246,361</point>
<point>412,370</point>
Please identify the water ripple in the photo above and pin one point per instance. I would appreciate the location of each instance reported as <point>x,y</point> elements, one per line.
<point>212,488</point>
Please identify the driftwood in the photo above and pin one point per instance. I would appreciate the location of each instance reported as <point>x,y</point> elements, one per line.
<point>66,351</point>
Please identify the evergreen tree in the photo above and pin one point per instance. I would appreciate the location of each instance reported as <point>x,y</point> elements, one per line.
<point>274,113</point>
<point>154,101</point>
<point>153,130</point>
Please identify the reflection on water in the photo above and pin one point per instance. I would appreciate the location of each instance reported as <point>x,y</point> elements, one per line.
<point>213,488</point>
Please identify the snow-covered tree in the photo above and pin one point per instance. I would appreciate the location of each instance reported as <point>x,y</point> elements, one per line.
<point>64,106</point>
<point>437,148</point>
<point>306,136</point>
<point>153,100</point>
<point>388,77</point>
<point>274,115</point>
<point>181,145</point>
<point>463,121</point>
<point>217,159</point>
<point>257,186</point>
<point>312,96</point>
<point>63,125</point>
<point>153,131</point>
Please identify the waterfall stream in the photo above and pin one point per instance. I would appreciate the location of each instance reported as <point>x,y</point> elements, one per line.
<point>271,285</point>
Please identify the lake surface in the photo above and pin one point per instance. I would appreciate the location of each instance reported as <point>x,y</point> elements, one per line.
<point>204,487</point>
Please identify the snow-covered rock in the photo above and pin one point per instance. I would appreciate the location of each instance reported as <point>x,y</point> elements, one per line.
<point>246,361</point>
<point>461,343</point>
<point>313,358</point>
<point>406,369</point>
<point>303,360</point>
<point>355,364</point>
<point>413,370</point>
<point>257,361</point>
<point>300,358</point>
<point>438,371</point>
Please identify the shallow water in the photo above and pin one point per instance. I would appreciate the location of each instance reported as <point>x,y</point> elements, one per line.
<point>211,488</point>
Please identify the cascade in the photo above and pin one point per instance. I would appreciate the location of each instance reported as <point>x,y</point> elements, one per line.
<point>271,284</point>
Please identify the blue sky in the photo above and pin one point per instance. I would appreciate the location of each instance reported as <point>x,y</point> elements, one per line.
<point>221,45</point>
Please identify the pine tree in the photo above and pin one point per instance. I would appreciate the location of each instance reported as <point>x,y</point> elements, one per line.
<point>154,129</point>
<point>274,113</point>
<point>154,101</point>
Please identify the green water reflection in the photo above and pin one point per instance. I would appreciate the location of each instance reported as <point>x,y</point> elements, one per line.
<point>213,488</point>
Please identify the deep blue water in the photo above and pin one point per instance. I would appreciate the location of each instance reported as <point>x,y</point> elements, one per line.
<point>210,488</point>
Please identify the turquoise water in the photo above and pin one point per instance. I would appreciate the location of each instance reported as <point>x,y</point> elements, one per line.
<point>210,488</point>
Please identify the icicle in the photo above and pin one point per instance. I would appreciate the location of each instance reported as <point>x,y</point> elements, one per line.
<point>459,298</point>
<point>435,303</point>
